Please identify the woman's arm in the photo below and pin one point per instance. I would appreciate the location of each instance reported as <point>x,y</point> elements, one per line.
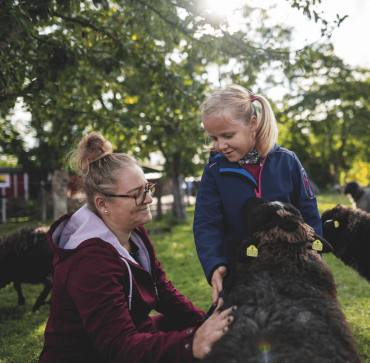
<point>95,283</point>
<point>173,305</point>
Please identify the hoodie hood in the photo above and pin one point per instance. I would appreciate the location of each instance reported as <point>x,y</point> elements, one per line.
<point>83,228</point>
<point>84,225</point>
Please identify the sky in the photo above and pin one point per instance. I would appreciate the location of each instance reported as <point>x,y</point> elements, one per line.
<point>350,40</point>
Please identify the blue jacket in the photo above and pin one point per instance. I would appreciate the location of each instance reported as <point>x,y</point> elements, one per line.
<point>225,186</point>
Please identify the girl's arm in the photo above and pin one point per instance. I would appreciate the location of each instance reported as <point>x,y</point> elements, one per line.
<point>304,197</point>
<point>208,227</point>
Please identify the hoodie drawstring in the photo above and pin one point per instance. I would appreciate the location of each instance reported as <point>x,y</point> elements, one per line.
<point>130,277</point>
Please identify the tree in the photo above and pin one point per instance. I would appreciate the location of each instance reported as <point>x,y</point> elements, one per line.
<point>133,70</point>
<point>327,118</point>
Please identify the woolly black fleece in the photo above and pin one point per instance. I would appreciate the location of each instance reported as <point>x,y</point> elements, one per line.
<point>25,256</point>
<point>286,297</point>
<point>351,237</point>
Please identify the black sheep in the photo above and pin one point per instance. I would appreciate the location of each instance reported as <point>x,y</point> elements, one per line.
<point>348,230</point>
<point>25,256</point>
<point>360,196</point>
<point>286,296</point>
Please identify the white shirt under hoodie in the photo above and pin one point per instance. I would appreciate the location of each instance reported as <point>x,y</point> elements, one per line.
<point>84,224</point>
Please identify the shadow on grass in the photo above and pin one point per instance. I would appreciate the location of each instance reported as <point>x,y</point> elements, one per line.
<point>11,313</point>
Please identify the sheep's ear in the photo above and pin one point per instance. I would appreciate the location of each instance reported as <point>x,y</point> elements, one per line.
<point>331,224</point>
<point>250,205</point>
<point>241,252</point>
<point>320,241</point>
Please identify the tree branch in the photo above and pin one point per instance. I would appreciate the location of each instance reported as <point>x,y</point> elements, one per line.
<point>8,37</point>
<point>241,42</point>
<point>182,30</point>
<point>83,22</point>
<point>94,114</point>
<point>19,94</point>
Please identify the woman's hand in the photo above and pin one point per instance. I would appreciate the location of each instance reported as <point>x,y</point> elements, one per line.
<point>212,330</point>
<point>217,284</point>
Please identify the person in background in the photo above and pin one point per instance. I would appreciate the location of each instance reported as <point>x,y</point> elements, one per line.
<point>107,277</point>
<point>245,161</point>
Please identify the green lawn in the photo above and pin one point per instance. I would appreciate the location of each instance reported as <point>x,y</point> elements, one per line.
<point>21,331</point>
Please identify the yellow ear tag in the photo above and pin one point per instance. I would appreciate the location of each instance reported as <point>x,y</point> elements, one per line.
<point>252,251</point>
<point>317,245</point>
<point>336,224</point>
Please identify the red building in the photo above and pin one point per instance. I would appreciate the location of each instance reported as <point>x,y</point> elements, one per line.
<point>14,183</point>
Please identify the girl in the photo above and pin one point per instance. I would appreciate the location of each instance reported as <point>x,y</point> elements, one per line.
<point>245,162</point>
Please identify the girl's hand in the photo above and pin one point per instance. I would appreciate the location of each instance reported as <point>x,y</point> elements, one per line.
<point>212,330</point>
<point>216,281</point>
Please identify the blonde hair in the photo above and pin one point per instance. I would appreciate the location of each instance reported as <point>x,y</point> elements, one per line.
<point>235,104</point>
<point>99,166</point>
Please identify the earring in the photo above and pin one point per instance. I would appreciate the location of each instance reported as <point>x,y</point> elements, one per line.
<point>106,211</point>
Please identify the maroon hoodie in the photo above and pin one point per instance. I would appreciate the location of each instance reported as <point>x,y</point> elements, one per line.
<point>91,319</point>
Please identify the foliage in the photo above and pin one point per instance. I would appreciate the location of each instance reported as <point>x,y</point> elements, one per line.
<point>8,161</point>
<point>326,117</point>
<point>360,172</point>
<point>133,70</point>
<point>21,332</point>
<point>112,66</point>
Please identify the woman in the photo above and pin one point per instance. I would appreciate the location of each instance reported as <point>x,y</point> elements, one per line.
<point>107,278</point>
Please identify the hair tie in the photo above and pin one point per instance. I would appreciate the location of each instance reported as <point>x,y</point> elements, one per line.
<point>101,156</point>
<point>253,98</point>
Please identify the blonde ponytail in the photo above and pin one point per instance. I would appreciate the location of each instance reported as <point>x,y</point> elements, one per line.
<point>267,130</point>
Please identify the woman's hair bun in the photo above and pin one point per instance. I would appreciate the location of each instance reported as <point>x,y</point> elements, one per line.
<point>91,148</point>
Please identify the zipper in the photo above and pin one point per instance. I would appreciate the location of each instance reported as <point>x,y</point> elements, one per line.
<point>151,262</point>
<point>258,194</point>
<point>156,291</point>
<point>130,296</point>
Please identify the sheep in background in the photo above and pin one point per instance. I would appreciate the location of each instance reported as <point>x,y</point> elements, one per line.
<point>25,256</point>
<point>360,197</point>
<point>348,231</point>
<point>286,295</point>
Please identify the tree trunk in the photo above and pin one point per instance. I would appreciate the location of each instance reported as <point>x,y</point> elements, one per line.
<point>173,163</point>
<point>159,197</point>
<point>332,158</point>
<point>43,202</point>
<point>3,202</point>
<point>60,181</point>
<point>178,208</point>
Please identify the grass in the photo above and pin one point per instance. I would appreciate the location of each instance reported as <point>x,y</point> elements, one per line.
<point>21,331</point>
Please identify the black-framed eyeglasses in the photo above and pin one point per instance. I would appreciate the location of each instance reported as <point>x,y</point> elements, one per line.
<point>139,196</point>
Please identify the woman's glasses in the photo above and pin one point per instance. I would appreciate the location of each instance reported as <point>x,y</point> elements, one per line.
<point>139,196</point>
